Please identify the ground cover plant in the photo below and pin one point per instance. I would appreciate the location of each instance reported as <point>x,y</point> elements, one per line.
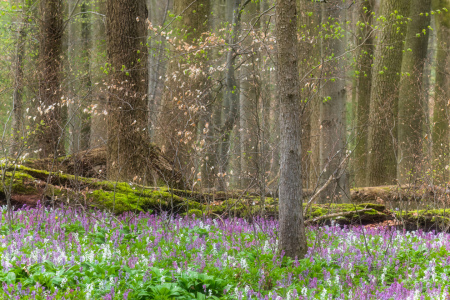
<point>68,254</point>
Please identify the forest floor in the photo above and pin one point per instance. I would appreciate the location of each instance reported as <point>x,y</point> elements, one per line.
<point>405,207</point>
<point>96,239</point>
<point>64,253</point>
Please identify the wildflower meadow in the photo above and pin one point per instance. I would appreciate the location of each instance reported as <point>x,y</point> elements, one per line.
<point>68,254</point>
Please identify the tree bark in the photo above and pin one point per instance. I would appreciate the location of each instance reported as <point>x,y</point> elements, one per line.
<point>79,77</point>
<point>211,119</point>
<point>310,60</point>
<point>129,150</point>
<point>428,88</point>
<point>18,130</point>
<point>363,73</point>
<point>310,18</point>
<point>248,103</point>
<point>382,146</point>
<point>292,238</point>
<point>332,108</point>
<point>51,130</point>
<point>411,108</point>
<point>231,99</point>
<point>99,132</point>
<point>441,114</point>
<point>157,63</point>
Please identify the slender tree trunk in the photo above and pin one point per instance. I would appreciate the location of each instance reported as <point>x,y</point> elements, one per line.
<point>211,119</point>
<point>274,117</point>
<point>73,101</point>
<point>441,113</point>
<point>332,108</point>
<point>51,130</point>
<point>410,103</point>
<point>231,99</point>
<point>310,19</point>
<point>292,238</point>
<point>246,93</point>
<point>128,144</point>
<point>86,35</point>
<point>157,62</point>
<point>363,74</point>
<point>79,78</point>
<point>310,89</point>
<point>18,130</point>
<point>248,103</point>
<point>264,66</point>
<point>247,126</point>
<point>98,132</point>
<point>428,87</point>
<point>382,146</point>
<point>428,68</point>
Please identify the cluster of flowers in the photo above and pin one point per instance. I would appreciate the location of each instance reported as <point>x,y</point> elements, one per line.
<point>67,254</point>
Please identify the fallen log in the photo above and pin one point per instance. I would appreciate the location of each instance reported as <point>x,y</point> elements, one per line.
<point>335,215</point>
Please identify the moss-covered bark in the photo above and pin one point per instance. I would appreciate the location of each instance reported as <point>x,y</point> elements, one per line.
<point>31,185</point>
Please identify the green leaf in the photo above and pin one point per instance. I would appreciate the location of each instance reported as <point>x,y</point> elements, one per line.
<point>10,278</point>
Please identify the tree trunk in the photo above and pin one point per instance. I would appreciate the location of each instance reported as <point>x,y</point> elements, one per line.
<point>428,88</point>
<point>128,143</point>
<point>292,238</point>
<point>79,77</point>
<point>441,114</point>
<point>231,99</point>
<point>18,129</point>
<point>86,34</point>
<point>72,92</point>
<point>411,110</point>
<point>382,146</point>
<point>332,108</point>
<point>363,74</point>
<point>51,130</point>
<point>266,95</point>
<point>211,119</point>
<point>310,18</point>
<point>248,103</point>
<point>157,64</point>
<point>98,132</point>
<point>309,72</point>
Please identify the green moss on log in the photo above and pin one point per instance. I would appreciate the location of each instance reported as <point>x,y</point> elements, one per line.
<point>22,183</point>
<point>376,212</point>
<point>425,217</point>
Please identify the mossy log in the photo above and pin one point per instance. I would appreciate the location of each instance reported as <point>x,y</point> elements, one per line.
<point>389,193</point>
<point>30,185</point>
<point>425,219</point>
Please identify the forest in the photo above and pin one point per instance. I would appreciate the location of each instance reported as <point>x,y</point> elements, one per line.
<point>225,149</point>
